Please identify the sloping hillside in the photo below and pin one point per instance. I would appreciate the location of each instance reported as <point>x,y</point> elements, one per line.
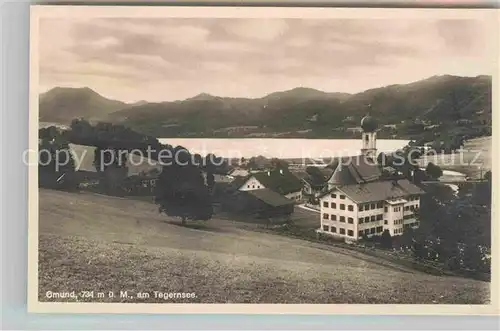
<point>112,244</point>
<point>62,105</point>
<point>440,99</point>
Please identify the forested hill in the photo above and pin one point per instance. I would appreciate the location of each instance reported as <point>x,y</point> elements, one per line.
<point>300,112</point>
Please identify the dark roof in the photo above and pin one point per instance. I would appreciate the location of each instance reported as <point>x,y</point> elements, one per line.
<point>270,197</point>
<point>280,182</point>
<point>355,170</point>
<point>381,190</point>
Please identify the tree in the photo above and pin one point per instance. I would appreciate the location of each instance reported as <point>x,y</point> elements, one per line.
<point>386,239</point>
<point>433,171</point>
<point>279,164</point>
<point>56,166</point>
<point>181,191</point>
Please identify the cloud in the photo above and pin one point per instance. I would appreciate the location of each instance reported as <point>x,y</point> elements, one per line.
<point>169,59</point>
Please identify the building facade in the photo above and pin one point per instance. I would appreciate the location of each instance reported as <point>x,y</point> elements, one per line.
<point>360,202</point>
<point>353,217</point>
<point>280,181</point>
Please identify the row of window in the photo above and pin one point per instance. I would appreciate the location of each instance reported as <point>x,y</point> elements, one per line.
<point>398,231</point>
<point>350,233</point>
<point>253,186</point>
<point>333,229</point>
<point>412,208</point>
<point>369,206</point>
<point>333,205</point>
<point>414,198</point>
<point>332,217</point>
<point>378,229</point>
<point>372,218</point>
<point>341,196</point>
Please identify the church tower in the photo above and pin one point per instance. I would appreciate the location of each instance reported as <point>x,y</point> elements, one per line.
<point>369,136</point>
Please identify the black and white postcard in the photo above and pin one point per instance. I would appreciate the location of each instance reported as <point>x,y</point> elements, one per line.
<point>263,160</point>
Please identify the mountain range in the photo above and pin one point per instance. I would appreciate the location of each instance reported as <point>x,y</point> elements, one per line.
<point>300,112</point>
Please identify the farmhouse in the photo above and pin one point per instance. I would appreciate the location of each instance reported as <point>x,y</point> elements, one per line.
<point>262,203</point>
<point>360,203</point>
<point>281,181</point>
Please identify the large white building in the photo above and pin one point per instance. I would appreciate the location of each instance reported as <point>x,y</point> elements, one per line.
<point>360,203</point>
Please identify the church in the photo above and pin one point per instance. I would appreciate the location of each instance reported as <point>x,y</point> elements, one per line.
<point>359,202</point>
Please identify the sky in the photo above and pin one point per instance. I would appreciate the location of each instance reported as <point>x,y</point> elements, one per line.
<point>165,59</point>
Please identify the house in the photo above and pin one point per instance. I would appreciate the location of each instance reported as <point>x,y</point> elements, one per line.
<point>238,172</point>
<point>262,203</point>
<point>313,184</point>
<point>361,202</point>
<point>281,181</point>
<point>136,167</point>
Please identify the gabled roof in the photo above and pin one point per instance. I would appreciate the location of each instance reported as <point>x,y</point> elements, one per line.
<point>313,181</point>
<point>282,182</point>
<point>355,170</point>
<point>270,197</point>
<point>378,191</point>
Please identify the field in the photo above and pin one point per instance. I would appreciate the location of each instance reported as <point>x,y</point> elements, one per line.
<point>96,243</point>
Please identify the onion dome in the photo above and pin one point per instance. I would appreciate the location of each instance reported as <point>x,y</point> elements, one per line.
<point>369,124</point>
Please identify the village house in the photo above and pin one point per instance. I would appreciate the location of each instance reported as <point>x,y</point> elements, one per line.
<point>261,203</point>
<point>360,203</point>
<point>281,181</point>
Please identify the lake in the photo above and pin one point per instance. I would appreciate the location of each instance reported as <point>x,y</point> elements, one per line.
<point>280,148</point>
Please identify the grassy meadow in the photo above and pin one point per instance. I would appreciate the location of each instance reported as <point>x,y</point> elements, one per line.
<point>91,242</point>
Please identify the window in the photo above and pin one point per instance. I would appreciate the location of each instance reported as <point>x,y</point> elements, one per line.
<point>395,208</point>
<point>360,234</point>
<point>380,204</point>
<point>372,218</point>
<point>325,216</point>
<point>325,204</point>
<point>325,227</point>
<point>334,217</point>
<point>360,207</point>
<point>380,229</point>
<point>385,222</point>
<point>342,197</point>
<point>372,206</point>
<point>350,208</point>
<point>385,210</point>
<point>350,220</point>
<point>342,231</point>
<point>334,196</point>
<point>333,205</point>
<point>333,229</point>
<point>360,220</point>
<point>253,186</point>
<point>248,186</point>
<point>412,208</point>
<point>372,230</point>
<point>407,208</point>
<point>367,219</point>
<point>367,231</point>
<point>395,222</point>
<point>342,206</point>
<point>350,233</point>
<point>380,217</point>
<point>342,219</point>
